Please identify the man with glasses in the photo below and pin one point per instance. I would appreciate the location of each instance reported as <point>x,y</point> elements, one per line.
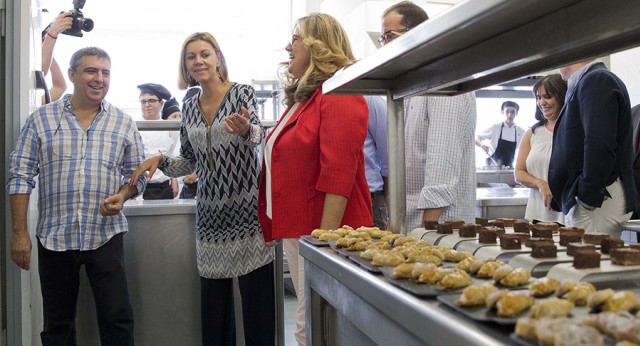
<point>83,151</point>
<point>152,100</point>
<point>439,141</point>
<point>504,137</point>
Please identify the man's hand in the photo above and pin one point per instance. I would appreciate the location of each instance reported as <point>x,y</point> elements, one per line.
<point>111,205</point>
<point>63,22</point>
<point>21,249</point>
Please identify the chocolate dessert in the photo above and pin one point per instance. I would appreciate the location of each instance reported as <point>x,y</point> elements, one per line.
<point>543,250</point>
<point>539,231</point>
<point>429,225</point>
<point>594,238</point>
<point>487,236</point>
<point>625,256</point>
<point>482,221</point>
<point>468,230</point>
<point>510,242</point>
<point>584,259</point>
<point>573,247</point>
<point>528,242</point>
<point>444,228</point>
<point>522,227</point>
<point>569,237</point>
<point>610,243</point>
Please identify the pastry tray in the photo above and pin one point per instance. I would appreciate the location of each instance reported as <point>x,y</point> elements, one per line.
<point>540,266</point>
<point>314,241</point>
<point>423,290</point>
<point>481,313</point>
<point>607,272</point>
<point>606,340</point>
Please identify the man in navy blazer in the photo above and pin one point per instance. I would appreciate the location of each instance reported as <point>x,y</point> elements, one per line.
<point>590,173</point>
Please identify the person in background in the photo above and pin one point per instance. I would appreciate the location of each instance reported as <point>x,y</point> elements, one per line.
<point>439,141</point>
<point>532,165</point>
<point>635,121</point>
<point>313,168</point>
<point>591,173</point>
<point>49,64</point>
<point>219,133</point>
<point>83,150</point>
<point>503,137</point>
<point>171,110</point>
<point>376,161</point>
<point>152,100</point>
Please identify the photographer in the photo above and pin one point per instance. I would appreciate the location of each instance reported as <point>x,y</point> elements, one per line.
<point>50,36</point>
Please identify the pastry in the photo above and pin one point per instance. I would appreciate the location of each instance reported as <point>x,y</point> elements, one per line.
<point>540,231</point>
<point>584,259</point>
<point>487,236</point>
<point>569,237</point>
<point>526,327</point>
<point>554,307</point>
<point>444,228</point>
<point>543,286</point>
<point>579,294</point>
<point>578,335</point>
<point>513,303</point>
<point>433,276</point>
<point>594,238</point>
<point>455,256</point>
<point>517,277</point>
<point>573,247</point>
<point>492,298</point>
<point>383,245</point>
<point>404,240</point>
<point>621,301</point>
<point>403,271</point>
<point>522,227</point>
<point>391,238</point>
<point>610,243</point>
<point>424,257</point>
<point>564,288</point>
<point>387,259</point>
<point>370,253</point>
<point>571,229</point>
<point>359,245</point>
<point>625,256</point>
<point>544,250</point>
<point>316,233</point>
<point>507,221</point>
<point>548,328</point>
<point>501,272</point>
<point>482,221</point>
<point>510,242</point>
<point>487,268</point>
<point>529,242</point>
<point>468,230</point>
<point>598,298</point>
<point>429,225</point>
<point>467,264</point>
<point>476,294</point>
<point>330,236</point>
<point>456,279</point>
<point>422,268</point>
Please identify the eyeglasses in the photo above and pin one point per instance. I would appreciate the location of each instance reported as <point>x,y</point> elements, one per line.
<point>391,35</point>
<point>151,102</point>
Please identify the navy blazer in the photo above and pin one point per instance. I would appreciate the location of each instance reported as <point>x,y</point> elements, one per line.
<point>592,143</point>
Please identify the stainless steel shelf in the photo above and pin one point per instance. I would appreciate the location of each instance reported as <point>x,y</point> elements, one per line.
<point>485,42</point>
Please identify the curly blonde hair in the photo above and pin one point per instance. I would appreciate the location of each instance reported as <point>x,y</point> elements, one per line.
<point>330,51</point>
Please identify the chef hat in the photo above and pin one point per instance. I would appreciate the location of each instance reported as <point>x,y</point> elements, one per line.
<point>170,107</point>
<point>155,89</point>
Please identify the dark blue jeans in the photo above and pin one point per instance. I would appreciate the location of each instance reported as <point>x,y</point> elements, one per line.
<point>258,309</point>
<point>59,277</point>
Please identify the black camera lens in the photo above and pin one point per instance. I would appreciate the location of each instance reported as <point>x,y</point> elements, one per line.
<point>85,24</point>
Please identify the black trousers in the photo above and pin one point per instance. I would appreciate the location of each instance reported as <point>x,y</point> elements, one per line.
<point>158,191</point>
<point>258,309</point>
<point>59,277</point>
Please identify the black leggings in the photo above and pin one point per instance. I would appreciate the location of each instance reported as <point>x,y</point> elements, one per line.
<point>258,309</point>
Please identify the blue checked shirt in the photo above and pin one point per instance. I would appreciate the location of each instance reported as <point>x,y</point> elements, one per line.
<point>76,170</point>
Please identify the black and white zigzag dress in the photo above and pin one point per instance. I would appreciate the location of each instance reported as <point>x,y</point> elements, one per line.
<point>229,241</point>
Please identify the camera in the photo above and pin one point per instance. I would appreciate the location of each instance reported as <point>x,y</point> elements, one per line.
<point>80,23</point>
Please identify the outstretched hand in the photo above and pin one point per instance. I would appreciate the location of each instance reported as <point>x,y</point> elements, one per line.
<point>238,123</point>
<point>150,165</point>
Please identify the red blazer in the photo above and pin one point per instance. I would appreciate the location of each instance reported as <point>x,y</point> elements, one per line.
<point>319,151</point>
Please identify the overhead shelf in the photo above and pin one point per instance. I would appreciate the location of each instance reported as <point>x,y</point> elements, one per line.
<point>480,43</point>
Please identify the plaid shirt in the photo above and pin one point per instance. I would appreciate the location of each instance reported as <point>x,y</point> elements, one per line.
<point>77,169</point>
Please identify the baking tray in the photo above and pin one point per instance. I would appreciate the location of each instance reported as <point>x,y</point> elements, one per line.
<point>606,340</point>
<point>314,241</point>
<point>483,314</point>
<point>423,290</point>
<point>355,257</point>
<point>607,272</point>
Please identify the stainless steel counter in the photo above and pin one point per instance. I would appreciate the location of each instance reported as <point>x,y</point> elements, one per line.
<point>495,202</point>
<point>349,306</point>
<point>163,279</point>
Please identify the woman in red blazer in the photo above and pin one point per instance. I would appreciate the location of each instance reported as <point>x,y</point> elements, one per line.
<point>313,168</point>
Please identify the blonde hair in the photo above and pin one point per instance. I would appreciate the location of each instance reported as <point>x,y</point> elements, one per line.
<point>184,80</point>
<point>330,51</point>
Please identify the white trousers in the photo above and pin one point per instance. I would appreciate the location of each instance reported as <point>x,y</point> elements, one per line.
<point>296,269</point>
<point>605,219</point>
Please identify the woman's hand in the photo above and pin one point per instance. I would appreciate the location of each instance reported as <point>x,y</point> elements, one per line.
<point>238,123</point>
<point>191,178</point>
<point>545,191</point>
<point>271,243</point>
<point>150,164</point>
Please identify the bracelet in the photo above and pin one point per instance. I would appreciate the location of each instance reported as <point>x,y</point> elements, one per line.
<point>53,37</point>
